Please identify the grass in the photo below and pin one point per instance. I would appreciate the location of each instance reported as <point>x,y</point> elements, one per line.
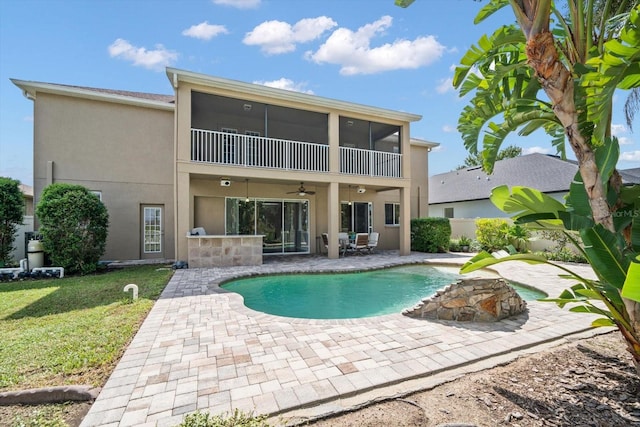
<point>72,330</point>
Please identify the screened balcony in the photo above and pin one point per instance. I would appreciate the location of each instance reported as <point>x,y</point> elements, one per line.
<point>231,149</point>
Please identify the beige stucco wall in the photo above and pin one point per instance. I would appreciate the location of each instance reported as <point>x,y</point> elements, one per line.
<point>123,151</point>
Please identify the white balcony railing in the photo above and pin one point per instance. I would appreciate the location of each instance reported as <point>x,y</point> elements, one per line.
<point>256,151</point>
<point>356,161</point>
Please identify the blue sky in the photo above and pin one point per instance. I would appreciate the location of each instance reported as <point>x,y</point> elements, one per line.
<point>363,51</point>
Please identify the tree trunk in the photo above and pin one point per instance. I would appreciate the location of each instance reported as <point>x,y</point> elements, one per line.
<point>557,83</point>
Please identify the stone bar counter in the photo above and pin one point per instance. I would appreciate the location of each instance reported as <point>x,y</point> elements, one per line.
<point>223,251</point>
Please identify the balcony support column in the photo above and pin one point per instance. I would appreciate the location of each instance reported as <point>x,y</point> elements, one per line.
<point>333,221</point>
<point>334,143</point>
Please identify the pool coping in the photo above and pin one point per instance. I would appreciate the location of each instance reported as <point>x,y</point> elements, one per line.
<point>200,348</point>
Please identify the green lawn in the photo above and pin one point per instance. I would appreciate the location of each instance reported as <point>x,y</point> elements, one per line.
<point>71,330</point>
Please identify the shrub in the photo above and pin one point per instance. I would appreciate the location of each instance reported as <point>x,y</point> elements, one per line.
<point>491,233</point>
<point>519,237</point>
<point>454,245</point>
<point>73,224</point>
<point>11,211</point>
<point>430,234</point>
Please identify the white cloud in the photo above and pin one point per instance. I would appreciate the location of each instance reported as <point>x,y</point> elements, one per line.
<point>276,37</point>
<point>624,140</point>
<point>630,156</point>
<point>287,84</point>
<point>617,129</point>
<point>204,31</point>
<point>155,59</point>
<point>445,85</point>
<point>353,51</point>
<point>239,4</point>
<point>536,149</point>
<point>448,128</point>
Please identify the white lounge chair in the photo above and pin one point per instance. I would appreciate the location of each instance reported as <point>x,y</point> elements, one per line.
<point>373,241</point>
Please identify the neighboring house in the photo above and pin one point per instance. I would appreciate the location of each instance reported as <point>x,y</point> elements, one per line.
<point>464,193</point>
<point>232,158</point>
<point>27,193</point>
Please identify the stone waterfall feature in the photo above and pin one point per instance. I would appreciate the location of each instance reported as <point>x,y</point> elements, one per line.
<point>471,300</point>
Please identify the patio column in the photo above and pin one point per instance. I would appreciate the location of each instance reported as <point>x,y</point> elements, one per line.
<point>405,221</point>
<point>333,220</point>
<point>183,216</point>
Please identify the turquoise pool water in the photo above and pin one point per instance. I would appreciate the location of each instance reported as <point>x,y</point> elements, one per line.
<point>347,295</point>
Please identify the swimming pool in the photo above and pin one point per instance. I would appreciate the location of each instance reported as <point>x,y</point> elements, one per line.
<point>348,295</point>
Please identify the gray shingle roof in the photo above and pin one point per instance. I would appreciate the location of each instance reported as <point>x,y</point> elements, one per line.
<point>630,176</point>
<point>546,173</point>
<point>170,99</point>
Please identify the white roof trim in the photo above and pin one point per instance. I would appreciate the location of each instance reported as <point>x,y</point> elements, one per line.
<point>424,143</point>
<point>176,75</point>
<point>31,88</point>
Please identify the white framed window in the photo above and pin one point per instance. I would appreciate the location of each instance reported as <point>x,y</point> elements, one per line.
<point>392,213</point>
<point>97,193</point>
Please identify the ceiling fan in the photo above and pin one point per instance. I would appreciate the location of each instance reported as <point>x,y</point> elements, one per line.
<point>301,191</point>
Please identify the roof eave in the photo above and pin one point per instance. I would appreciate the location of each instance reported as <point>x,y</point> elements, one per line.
<point>30,90</point>
<point>177,75</point>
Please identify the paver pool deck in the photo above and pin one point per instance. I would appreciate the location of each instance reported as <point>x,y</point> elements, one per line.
<point>201,349</point>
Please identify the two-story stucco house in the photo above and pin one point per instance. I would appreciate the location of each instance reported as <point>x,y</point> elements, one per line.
<point>234,159</point>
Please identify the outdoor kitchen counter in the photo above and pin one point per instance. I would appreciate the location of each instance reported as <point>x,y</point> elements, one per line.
<point>223,251</point>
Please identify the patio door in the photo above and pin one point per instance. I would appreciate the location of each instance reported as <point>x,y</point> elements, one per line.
<point>152,231</point>
<point>283,223</point>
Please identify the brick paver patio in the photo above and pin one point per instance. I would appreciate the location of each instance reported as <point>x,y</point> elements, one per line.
<point>200,348</point>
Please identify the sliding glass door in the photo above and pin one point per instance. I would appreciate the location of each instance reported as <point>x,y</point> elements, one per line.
<point>283,223</point>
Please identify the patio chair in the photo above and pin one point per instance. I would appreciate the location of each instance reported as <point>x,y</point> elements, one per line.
<point>373,241</point>
<point>325,241</point>
<point>360,244</point>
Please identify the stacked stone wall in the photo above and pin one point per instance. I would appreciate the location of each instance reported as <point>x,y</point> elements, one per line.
<point>471,300</point>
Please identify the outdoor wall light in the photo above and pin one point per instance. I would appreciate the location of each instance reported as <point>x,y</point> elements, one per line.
<point>246,107</point>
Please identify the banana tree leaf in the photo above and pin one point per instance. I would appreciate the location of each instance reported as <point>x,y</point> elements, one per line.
<point>631,287</point>
<point>575,222</point>
<point>604,250</point>
<point>589,293</point>
<point>485,259</point>
<point>588,309</point>
<point>607,157</point>
<point>602,322</point>
<point>523,201</point>
<point>577,198</point>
